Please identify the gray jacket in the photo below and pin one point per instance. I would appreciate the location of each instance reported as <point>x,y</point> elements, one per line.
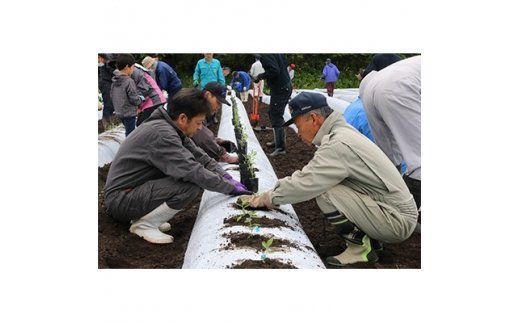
<point>345,157</point>
<point>144,88</point>
<point>157,148</point>
<point>124,95</point>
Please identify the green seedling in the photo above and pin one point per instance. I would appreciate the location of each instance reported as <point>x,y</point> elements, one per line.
<point>243,140</point>
<point>267,248</point>
<point>249,161</point>
<point>248,215</point>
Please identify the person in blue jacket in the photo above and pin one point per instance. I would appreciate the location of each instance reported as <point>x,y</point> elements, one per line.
<point>207,70</point>
<point>165,76</point>
<point>355,116</point>
<point>241,83</point>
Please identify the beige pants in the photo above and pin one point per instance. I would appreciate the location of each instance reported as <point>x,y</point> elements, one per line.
<point>243,96</point>
<point>379,220</point>
<point>258,87</point>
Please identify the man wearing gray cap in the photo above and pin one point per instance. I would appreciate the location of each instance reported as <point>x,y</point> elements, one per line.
<point>355,185</point>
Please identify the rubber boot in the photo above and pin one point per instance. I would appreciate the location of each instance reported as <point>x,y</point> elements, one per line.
<point>147,227</point>
<point>355,254</point>
<point>279,141</point>
<point>165,227</point>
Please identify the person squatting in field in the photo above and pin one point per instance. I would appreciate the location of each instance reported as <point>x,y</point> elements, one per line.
<point>356,186</point>
<point>158,170</point>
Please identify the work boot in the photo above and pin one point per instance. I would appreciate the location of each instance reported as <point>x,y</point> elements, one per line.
<point>354,253</point>
<point>147,227</point>
<point>227,158</point>
<point>279,141</point>
<point>165,227</point>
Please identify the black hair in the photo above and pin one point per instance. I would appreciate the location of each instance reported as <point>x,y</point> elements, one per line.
<point>124,60</point>
<point>235,73</point>
<point>189,101</point>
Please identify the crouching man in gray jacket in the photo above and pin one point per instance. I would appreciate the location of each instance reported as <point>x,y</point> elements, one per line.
<point>355,185</point>
<point>158,169</point>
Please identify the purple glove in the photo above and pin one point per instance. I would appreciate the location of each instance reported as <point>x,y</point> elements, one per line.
<point>239,189</point>
<point>228,177</point>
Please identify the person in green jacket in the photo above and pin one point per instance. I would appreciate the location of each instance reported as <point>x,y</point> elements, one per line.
<point>207,70</point>
<point>356,186</point>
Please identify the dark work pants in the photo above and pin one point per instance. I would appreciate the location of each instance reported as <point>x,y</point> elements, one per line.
<point>330,88</point>
<point>414,186</point>
<point>277,108</point>
<point>124,206</point>
<point>129,124</point>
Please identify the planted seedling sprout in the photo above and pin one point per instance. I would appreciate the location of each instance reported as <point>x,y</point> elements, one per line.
<point>249,159</point>
<point>267,248</point>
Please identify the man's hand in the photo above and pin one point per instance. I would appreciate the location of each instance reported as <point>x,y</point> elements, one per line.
<point>239,188</point>
<point>257,201</point>
<point>228,145</point>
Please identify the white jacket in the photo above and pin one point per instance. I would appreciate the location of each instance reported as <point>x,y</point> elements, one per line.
<point>256,69</point>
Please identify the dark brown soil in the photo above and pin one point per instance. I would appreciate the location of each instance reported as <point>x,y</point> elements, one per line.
<point>254,241</point>
<point>117,248</point>
<point>266,264</point>
<point>260,221</point>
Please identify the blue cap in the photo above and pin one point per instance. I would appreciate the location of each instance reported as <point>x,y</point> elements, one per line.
<point>303,103</point>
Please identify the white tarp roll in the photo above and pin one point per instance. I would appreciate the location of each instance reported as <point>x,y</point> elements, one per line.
<point>205,248</point>
<point>108,144</point>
